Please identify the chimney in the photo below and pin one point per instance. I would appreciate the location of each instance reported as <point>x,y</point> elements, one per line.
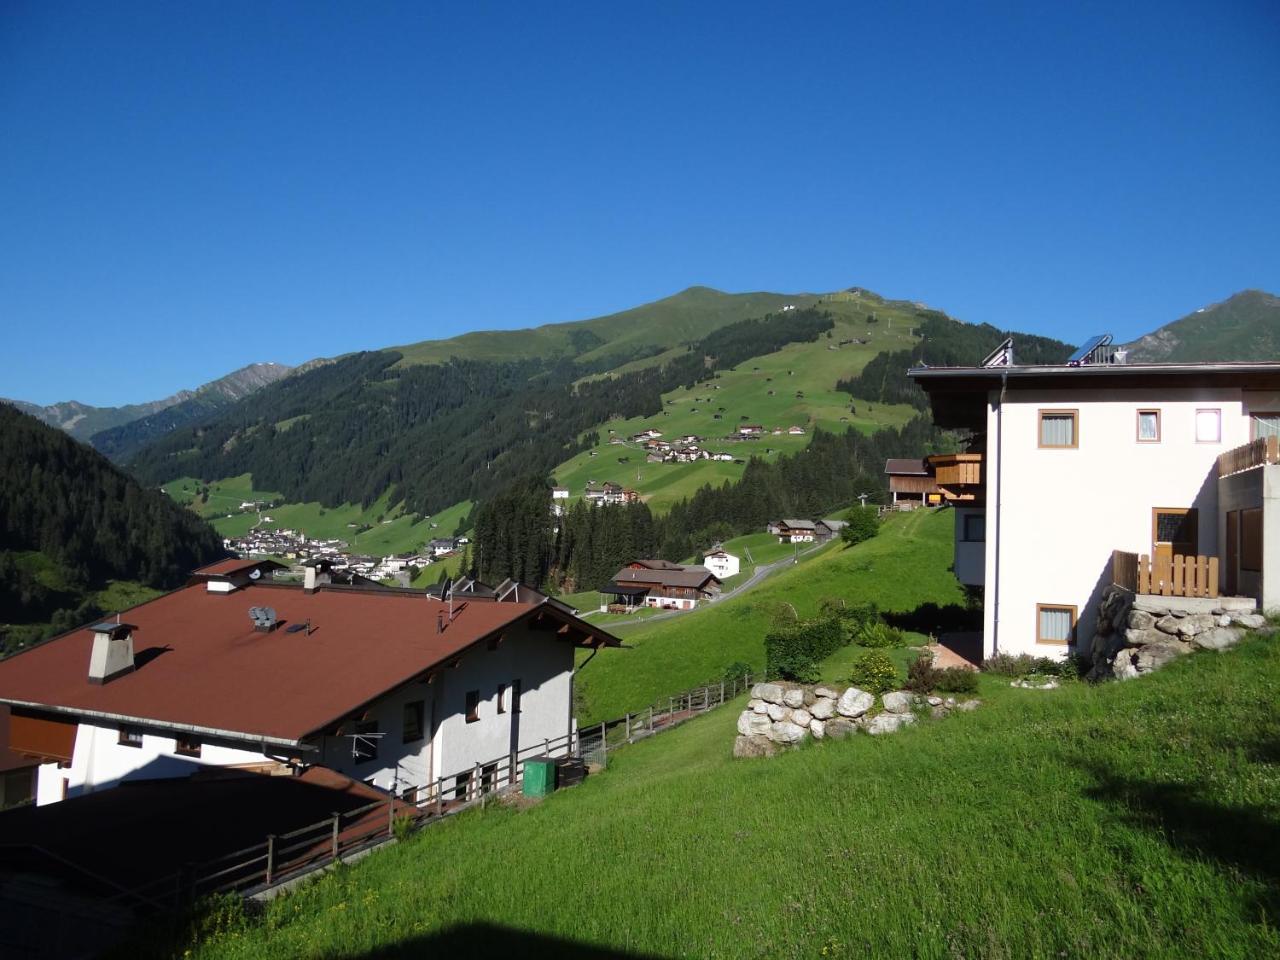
<point>1121,356</point>
<point>112,654</point>
<point>439,622</point>
<point>309,580</point>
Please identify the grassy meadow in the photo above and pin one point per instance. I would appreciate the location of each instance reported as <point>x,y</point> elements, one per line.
<point>1123,820</point>
<point>905,566</point>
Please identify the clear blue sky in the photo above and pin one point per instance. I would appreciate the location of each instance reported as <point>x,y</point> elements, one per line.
<point>188,187</point>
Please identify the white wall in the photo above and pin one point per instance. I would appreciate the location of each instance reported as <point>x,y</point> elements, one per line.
<point>723,567</point>
<point>1061,512</point>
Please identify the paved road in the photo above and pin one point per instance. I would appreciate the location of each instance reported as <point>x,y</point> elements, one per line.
<point>759,574</point>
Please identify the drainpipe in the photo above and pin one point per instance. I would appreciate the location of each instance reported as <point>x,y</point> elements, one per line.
<point>995,621</point>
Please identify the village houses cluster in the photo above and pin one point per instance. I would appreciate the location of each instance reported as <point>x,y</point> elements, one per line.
<point>295,545</point>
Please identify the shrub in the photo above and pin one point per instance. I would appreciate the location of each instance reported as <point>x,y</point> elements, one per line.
<point>863,523</point>
<point>1021,665</point>
<point>879,635</point>
<point>922,675</point>
<point>737,671</point>
<point>956,680</point>
<point>874,672</point>
<point>793,653</point>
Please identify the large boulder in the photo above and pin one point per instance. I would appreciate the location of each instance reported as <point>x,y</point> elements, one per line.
<point>1169,624</point>
<point>1250,620</point>
<point>754,747</point>
<point>818,729</point>
<point>839,728</point>
<point>801,717</point>
<point>1140,620</point>
<point>969,704</point>
<point>824,708</point>
<point>793,698</point>
<point>898,702</point>
<point>759,725</point>
<point>769,692</point>
<point>854,702</point>
<point>787,732</point>
<point>889,722</point>
<point>1139,638</point>
<point>777,712</point>
<point>826,692</point>
<point>1155,655</point>
<point>1190,626</point>
<point>1219,638</point>
<point>760,707</point>
<point>1123,668</point>
<point>744,722</point>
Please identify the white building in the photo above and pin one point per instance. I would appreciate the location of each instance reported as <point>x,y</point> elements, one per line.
<point>722,563</point>
<point>1071,463</point>
<point>395,688</point>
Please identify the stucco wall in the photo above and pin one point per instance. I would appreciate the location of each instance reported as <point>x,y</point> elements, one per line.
<point>1061,512</point>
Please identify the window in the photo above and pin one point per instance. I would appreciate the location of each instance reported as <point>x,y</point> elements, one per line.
<point>411,729</point>
<point>1058,428</point>
<point>975,528</point>
<point>1148,426</point>
<point>462,785</point>
<point>502,698</point>
<point>186,746</point>
<point>1055,623</point>
<point>473,706</point>
<point>515,696</point>
<point>1209,426</point>
<point>1265,425</point>
<point>366,741</point>
<point>1251,539</point>
<point>130,737</point>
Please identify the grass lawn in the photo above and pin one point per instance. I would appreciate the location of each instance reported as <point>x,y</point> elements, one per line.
<point>905,566</point>
<point>1123,820</point>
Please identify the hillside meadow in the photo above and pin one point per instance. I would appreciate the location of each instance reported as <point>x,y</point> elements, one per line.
<point>1121,820</point>
<point>905,567</point>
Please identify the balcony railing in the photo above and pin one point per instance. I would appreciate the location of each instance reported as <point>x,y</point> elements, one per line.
<point>1256,453</point>
<point>1166,576</point>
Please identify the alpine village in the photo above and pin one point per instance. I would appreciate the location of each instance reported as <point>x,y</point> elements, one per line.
<point>758,625</point>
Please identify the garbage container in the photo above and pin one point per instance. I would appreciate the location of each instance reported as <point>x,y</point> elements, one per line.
<point>539,776</point>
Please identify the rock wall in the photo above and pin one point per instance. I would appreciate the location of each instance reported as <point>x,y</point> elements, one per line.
<point>780,715</point>
<point>1140,633</point>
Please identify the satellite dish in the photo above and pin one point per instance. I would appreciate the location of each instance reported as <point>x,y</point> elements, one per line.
<point>255,573</point>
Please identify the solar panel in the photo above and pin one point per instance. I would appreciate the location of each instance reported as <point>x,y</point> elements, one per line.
<point>295,627</point>
<point>1092,344</point>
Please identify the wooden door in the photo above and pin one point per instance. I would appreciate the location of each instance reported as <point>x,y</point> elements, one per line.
<point>1174,530</point>
<point>1233,552</point>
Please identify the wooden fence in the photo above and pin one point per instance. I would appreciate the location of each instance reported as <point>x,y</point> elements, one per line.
<point>283,857</point>
<point>1257,453</point>
<point>1176,576</point>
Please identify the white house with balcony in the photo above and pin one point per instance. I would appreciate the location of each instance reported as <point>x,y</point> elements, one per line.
<point>1172,466</point>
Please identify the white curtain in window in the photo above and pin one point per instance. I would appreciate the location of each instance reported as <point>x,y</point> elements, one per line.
<point>1057,430</point>
<point>1208,426</point>
<point>1266,425</point>
<point>1055,624</point>
<point>1148,426</point>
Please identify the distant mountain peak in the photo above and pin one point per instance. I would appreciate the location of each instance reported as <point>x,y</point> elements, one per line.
<point>1244,326</point>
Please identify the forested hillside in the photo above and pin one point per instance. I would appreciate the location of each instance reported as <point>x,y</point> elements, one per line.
<point>436,434</point>
<point>70,522</point>
<point>1245,326</point>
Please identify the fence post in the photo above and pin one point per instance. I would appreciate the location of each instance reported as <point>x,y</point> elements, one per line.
<point>628,719</point>
<point>337,819</point>
<point>271,857</point>
<point>651,719</point>
<point>440,797</point>
<point>721,693</point>
<point>515,765</point>
<point>604,745</point>
<point>546,748</point>
<point>475,778</point>
<point>391,812</point>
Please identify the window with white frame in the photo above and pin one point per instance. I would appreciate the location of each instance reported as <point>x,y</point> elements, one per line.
<point>1209,426</point>
<point>1148,426</point>
<point>1055,623</point>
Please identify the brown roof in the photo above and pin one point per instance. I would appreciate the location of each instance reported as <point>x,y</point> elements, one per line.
<point>233,565</point>
<point>912,468</point>
<point>201,664</point>
<point>683,577</point>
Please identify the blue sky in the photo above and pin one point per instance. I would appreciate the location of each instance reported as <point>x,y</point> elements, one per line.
<point>185,188</point>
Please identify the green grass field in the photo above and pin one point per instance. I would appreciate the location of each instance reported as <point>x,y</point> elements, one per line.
<point>1123,821</point>
<point>905,566</point>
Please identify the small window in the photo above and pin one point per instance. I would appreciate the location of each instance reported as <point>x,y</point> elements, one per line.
<point>1265,425</point>
<point>975,527</point>
<point>130,737</point>
<point>186,746</point>
<point>1055,623</point>
<point>412,729</point>
<point>502,698</point>
<point>1251,539</point>
<point>1148,426</point>
<point>1058,428</point>
<point>515,696</point>
<point>473,706</point>
<point>366,743</point>
<point>1209,426</point>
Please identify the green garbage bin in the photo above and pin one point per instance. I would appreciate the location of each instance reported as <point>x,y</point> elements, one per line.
<point>539,776</point>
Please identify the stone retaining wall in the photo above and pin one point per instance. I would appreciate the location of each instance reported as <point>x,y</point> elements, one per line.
<point>780,715</point>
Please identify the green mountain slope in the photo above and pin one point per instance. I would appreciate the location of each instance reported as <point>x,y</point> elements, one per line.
<point>1245,326</point>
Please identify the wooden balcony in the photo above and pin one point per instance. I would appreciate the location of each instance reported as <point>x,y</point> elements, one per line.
<point>958,475</point>
<point>1256,453</point>
<point>1174,576</point>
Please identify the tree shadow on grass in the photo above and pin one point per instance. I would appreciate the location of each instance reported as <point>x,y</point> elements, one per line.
<point>1238,840</point>
<point>929,618</point>
<point>485,940</point>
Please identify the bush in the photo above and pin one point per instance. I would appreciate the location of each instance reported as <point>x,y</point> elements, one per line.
<point>793,653</point>
<point>863,523</point>
<point>879,635</point>
<point>956,680</point>
<point>922,675</point>
<point>874,672</point>
<point>737,672</point>
<point>1021,665</point>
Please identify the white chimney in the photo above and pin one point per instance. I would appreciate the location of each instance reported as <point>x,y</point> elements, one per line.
<point>309,579</point>
<point>112,654</point>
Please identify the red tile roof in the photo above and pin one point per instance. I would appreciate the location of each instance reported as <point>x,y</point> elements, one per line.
<point>225,568</point>
<point>201,663</point>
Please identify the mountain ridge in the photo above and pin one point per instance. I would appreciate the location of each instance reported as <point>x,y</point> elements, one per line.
<point>1244,326</point>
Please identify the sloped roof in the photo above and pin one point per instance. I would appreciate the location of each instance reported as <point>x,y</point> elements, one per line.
<point>797,524</point>
<point>202,665</point>
<point>906,467</point>
<point>690,576</point>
